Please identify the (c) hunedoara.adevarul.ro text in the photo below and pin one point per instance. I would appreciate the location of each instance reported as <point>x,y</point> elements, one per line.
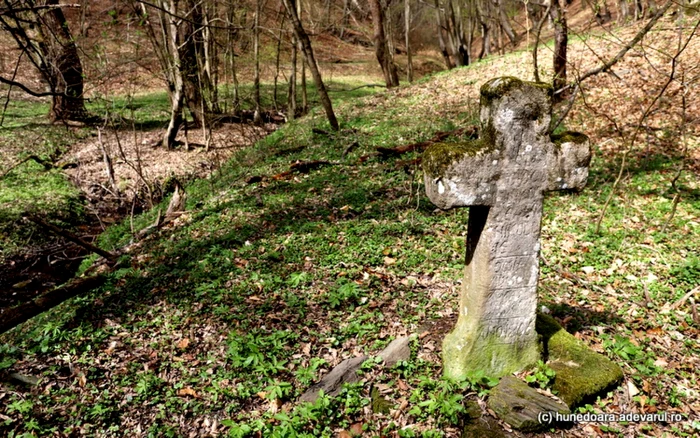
<point>589,417</point>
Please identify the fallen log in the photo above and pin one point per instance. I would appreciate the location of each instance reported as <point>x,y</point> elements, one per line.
<point>72,237</point>
<point>10,318</point>
<point>299,166</point>
<point>384,153</point>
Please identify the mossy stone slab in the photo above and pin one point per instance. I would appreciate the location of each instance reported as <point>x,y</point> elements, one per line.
<point>520,406</point>
<point>581,373</point>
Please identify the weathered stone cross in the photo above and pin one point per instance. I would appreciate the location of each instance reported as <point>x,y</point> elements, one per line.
<point>502,177</point>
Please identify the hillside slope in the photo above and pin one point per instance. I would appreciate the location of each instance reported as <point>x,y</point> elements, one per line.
<point>218,322</point>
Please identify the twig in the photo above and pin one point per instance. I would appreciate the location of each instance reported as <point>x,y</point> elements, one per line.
<point>607,65</point>
<point>537,41</point>
<point>612,191</point>
<point>574,277</point>
<point>357,88</point>
<point>72,237</point>
<point>646,113</point>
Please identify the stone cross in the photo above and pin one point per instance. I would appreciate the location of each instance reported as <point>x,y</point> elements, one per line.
<point>502,178</point>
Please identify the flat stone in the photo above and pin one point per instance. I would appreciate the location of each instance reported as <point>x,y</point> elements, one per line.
<point>581,373</point>
<point>521,406</point>
<point>399,349</point>
<point>25,380</point>
<point>332,383</point>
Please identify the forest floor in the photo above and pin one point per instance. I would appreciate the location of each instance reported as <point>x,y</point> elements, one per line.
<point>216,323</point>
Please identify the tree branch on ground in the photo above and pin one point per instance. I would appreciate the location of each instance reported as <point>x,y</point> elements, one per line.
<point>72,237</point>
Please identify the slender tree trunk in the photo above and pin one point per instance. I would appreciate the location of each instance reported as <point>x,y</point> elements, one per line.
<point>560,45</point>
<point>231,38</point>
<point>505,23</point>
<point>624,11</point>
<point>381,49</point>
<point>62,67</point>
<point>311,61</point>
<point>304,93</point>
<point>485,34</point>
<point>292,94</point>
<point>346,15</point>
<point>210,68</point>
<point>538,31</point>
<point>192,52</point>
<point>257,117</point>
<point>441,38</point>
<point>176,82</point>
<point>304,90</point>
<point>407,28</point>
<point>277,60</point>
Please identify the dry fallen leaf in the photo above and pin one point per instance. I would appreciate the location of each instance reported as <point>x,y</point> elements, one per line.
<point>631,389</point>
<point>187,391</point>
<point>184,342</point>
<point>356,429</point>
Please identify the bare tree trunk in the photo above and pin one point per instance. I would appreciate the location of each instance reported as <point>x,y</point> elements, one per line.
<point>538,31</point>
<point>210,67</point>
<point>197,84</point>
<point>624,11</point>
<point>257,117</point>
<point>560,45</point>
<point>46,38</point>
<point>231,38</point>
<point>505,24</point>
<point>441,38</point>
<point>485,34</point>
<point>292,93</point>
<point>304,93</point>
<point>407,28</point>
<point>176,83</point>
<point>277,59</point>
<point>381,50</point>
<point>304,90</point>
<point>311,61</point>
<point>346,16</point>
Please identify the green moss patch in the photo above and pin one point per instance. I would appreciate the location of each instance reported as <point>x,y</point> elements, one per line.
<point>581,373</point>
<point>487,355</point>
<point>439,157</point>
<point>569,137</point>
<point>498,87</point>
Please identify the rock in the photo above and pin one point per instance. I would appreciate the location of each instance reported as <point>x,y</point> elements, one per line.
<point>521,406</point>
<point>332,383</point>
<point>399,349</point>
<point>581,372</point>
<point>25,380</point>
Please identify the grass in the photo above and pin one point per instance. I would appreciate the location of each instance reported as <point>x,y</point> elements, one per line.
<point>30,187</point>
<point>224,318</point>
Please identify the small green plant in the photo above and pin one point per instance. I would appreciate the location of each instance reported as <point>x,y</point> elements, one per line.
<point>439,399</point>
<point>346,294</point>
<point>622,347</point>
<point>542,375</point>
